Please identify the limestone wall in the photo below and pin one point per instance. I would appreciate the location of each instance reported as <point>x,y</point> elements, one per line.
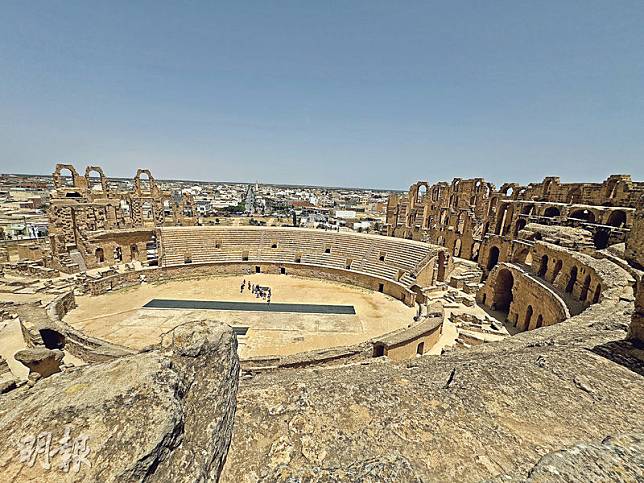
<point>528,301</point>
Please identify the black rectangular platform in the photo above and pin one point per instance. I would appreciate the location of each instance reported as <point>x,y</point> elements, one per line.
<point>250,306</point>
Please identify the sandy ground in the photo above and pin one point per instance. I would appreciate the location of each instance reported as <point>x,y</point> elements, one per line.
<point>119,317</point>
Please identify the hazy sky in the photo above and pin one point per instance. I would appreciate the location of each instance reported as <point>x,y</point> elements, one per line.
<point>347,93</point>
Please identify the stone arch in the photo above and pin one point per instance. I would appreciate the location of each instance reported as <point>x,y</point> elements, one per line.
<point>139,184</point>
<point>597,293</point>
<point>520,225</point>
<point>493,257</point>
<point>503,290</point>
<point>476,246</point>
<point>460,223</point>
<point>102,180</point>
<point>572,279</point>
<point>99,253</point>
<point>440,276</point>
<point>551,212</point>
<point>134,252</point>
<point>457,248</point>
<point>492,208</point>
<point>555,272</point>
<point>528,317</point>
<point>59,179</point>
<point>584,289</point>
<point>118,254</point>
<point>543,266</point>
<point>539,323</point>
<point>500,219</point>
<point>527,209</point>
<point>617,218</point>
<point>583,214</point>
<point>422,188</point>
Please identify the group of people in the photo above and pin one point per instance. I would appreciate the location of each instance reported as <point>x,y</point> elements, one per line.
<point>257,290</point>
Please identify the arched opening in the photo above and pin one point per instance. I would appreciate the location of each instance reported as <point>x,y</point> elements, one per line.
<point>543,266</point>
<point>584,215</point>
<point>551,212</point>
<point>52,339</point>
<point>457,247</point>
<point>95,179</point>
<point>617,219</point>
<point>600,240</point>
<point>503,290</point>
<point>460,223</point>
<point>378,350</point>
<point>597,294</point>
<point>492,209</point>
<point>555,272</point>
<point>147,210</point>
<point>521,223</point>
<point>100,255</point>
<point>500,219</point>
<point>421,193</point>
<point>493,258</point>
<point>144,181</point>
<point>539,322</point>
<point>66,177</point>
<point>420,349</point>
<point>118,254</point>
<point>572,279</point>
<point>134,252</point>
<point>440,276</point>
<point>528,318</point>
<point>527,209</point>
<point>584,289</point>
<point>475,251</point>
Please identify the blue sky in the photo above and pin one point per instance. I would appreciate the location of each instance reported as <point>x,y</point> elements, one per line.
<point>347,93</point>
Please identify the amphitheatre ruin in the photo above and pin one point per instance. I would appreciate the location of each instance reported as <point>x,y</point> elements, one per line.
<point>486,334</point>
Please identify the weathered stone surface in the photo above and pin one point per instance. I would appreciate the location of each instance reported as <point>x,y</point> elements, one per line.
<point>40,360</point>
<point>162,415</point>
<point>505,406</point>
<point>618,458</point>
<point>7,386</point>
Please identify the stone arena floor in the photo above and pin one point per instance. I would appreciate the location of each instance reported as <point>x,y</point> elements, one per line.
<point>119,317</point>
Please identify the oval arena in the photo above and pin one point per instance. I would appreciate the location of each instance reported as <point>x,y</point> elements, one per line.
<point>377,278</point>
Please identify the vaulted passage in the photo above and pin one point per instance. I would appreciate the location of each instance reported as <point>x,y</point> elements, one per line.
<point>503,290</point>
<point>493,258</point>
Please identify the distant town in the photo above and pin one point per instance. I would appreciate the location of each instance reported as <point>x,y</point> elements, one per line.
<point>24,200</point>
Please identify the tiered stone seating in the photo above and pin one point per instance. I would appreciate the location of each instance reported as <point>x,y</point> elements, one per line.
<point>402,258</point>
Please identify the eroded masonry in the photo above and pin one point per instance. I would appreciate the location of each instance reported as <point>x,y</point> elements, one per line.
<point>493,334</point>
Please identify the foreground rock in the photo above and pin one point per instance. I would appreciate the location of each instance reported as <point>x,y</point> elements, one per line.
<point>473,415</point>
<point>40,360</point>
<point>162,415</point>
<point>619,458</point>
